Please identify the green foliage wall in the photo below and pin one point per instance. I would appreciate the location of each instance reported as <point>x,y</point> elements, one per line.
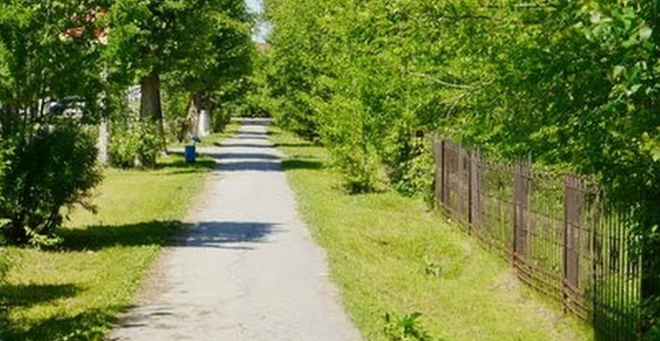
<point>572,84</point>
<point>555,80</point>
<point>134,143</point>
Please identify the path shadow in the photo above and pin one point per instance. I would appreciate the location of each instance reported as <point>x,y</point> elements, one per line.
<point>242,162</point>
<point>250,137</point>
<point>229,235</point>
<point>230,162</point>
<point>261,122</point>
<point>240,156</point>
<point>242,145</point>
<point>165,233</point>
<point>247,166</point>
<point>253,133</point>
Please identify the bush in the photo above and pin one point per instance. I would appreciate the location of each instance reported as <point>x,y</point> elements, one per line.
<point>405,328</point>
<point>4,258</point>
<point>220,118</point>
<point>135,145</point>
<point>175,111</point>
<point>4,262</point>
<point>252,108</point>
<point>349,138</point>
<point>410,162</point>
<point>56,167</point>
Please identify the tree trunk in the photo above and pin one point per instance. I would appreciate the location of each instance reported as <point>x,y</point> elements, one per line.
<point>104,138</point>
<point>16,233</point>
<point>150,105</point>
<point>192,121</point>
<point>104,127</point>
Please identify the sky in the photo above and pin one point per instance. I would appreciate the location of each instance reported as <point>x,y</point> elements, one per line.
<point>262,30</point>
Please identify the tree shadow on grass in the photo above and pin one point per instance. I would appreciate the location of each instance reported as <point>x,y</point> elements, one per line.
<point>296,145</point>
<point>93,238</point>
<point>90,325</point>
<point>181,166</point>
<point>296,164</point>
<point>79,327</point>
<point>27,295</point>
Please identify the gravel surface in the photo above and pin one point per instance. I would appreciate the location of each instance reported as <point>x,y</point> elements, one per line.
<point>248,269</point>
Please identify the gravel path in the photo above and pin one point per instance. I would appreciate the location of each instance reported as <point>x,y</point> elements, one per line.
<point>248,270</point>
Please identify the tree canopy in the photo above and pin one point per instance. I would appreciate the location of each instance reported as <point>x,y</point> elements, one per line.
<point>572,85</point>
<point>65,66</point>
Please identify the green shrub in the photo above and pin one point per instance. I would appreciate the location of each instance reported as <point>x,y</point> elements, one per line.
<point>220,118</point>
<point>135,145</point>
<point>56,167</point>
<point>405,328</point>
<point>348,134</point>
<point>175,112</point>
<point>4,259</point>
<point>411,163</point>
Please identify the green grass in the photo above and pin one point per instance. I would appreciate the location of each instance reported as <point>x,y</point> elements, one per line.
<point>214,139</point>
<point>74,291</point>
<point>388,254</point>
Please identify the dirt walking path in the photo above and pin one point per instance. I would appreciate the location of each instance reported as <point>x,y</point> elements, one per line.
<point>248,270</point>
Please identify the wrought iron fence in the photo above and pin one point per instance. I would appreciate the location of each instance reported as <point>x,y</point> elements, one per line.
<point>556,231</point>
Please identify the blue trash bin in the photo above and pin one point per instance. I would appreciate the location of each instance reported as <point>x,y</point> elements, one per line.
<point>191,154</point>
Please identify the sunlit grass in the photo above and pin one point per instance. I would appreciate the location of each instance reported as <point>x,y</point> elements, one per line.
<point>388,254</point>
<point>73,292</point>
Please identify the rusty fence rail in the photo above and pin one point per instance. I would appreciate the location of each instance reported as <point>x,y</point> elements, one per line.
<point>554,229</point>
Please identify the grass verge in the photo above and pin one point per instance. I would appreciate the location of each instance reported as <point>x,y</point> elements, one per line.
<point>388,255</point>
<point>72,293</point>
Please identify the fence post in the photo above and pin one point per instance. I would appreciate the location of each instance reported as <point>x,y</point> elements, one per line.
<point>573,201</point>
<point>464,170</point>
<point>445,176</point>
<point>475,189</point>
<point>439,169</point>
<point>520,203</point>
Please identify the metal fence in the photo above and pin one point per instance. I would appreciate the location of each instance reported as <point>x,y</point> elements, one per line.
<point>555,230</point>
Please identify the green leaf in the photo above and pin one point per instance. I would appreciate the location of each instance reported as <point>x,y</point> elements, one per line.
<point>645,33</point>
<point>618,70</point>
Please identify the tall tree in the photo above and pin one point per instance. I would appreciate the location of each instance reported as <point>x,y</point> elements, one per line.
<point>222,54</point>
<point>49,88</point>
<point>574,84</point>
<point>150,38</point>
